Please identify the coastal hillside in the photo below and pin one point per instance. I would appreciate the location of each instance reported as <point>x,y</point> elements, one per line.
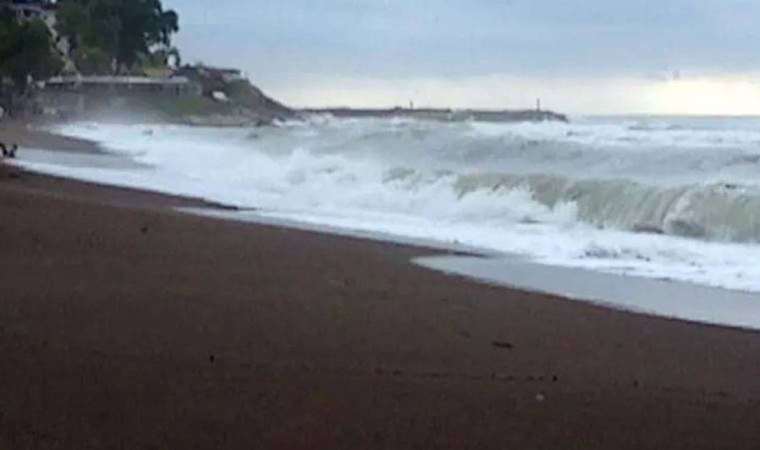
<point>193,95</point>
<point>229,96</point>
<point>71,60</point>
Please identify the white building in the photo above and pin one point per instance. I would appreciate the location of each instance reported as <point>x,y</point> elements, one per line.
<point>34,9</point>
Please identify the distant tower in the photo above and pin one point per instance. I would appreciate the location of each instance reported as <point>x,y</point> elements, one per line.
<point>411,104</point>
<point>538,104</point>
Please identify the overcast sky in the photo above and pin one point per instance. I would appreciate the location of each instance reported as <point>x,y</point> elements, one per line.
<point>581,56</point>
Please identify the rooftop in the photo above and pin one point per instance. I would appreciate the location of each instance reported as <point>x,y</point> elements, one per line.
<point>118,80</point>
<point>32,4</point>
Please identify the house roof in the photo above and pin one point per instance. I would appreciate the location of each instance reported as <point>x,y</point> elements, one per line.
<point>37,5</point>
<point>118,80</point>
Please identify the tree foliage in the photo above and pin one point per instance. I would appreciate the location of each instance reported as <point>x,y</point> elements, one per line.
<point>122,29</point>
<point>26,50</point>
<point>91,60</point>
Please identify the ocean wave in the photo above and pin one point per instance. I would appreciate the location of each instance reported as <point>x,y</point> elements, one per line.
<point>718,211</point>
<point>561,193</point>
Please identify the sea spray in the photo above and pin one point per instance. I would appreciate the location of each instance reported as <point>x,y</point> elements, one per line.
<point>659,197</point>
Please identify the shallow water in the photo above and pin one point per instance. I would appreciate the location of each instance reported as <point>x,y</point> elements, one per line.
<point>667,298</point>
<point>661,297</point>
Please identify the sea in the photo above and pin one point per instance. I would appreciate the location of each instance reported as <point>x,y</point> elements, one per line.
<point>672,199</point>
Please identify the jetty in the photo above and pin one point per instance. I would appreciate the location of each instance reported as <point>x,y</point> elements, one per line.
<point>446,114</point>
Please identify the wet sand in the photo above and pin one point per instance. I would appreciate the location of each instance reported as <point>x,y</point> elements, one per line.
<point>31,135</point>
<point>124,324</point>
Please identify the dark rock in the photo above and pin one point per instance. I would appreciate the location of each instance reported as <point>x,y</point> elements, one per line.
<point>502,345</point>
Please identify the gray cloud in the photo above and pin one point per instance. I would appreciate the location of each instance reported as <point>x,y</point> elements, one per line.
<point>458,38</point>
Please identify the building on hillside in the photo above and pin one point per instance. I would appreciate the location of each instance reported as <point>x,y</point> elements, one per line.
<point>227,75</point>
<point>73,95</point>
<point>176,86</point>
<point>33,9</point>
<point>211,79</point>
<point>219,74</point>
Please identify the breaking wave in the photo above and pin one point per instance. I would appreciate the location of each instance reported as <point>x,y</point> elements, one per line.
<point>659,197</point>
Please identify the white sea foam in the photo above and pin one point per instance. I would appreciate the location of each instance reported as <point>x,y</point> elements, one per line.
<point>654,197</point>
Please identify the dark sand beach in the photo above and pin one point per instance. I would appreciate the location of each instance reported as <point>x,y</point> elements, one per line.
<point>127,325</point>
<point>31,135</point>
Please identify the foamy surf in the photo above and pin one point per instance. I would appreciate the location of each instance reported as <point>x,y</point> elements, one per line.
<point>666,198</point>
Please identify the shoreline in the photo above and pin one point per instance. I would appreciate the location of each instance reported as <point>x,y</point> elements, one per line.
<point>437,258</point>
<point>30,134</point>
<point>157,328</point>
<point>652,297</point>
<point>431,255</point>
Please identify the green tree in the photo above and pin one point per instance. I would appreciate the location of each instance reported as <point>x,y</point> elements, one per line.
<point>72,22</point>
<point>26,50</point>
<point>91,60</point>
<point>125,30</point>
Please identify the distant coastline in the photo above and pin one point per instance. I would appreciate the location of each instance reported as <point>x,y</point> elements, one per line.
<point>446,114</point>
<point>223,97</point>
<point>76,76</point>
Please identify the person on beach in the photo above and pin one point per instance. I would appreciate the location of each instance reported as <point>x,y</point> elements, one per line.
<point>9,153</point>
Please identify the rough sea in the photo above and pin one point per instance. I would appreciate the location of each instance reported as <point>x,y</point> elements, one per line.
<point>675,198</point>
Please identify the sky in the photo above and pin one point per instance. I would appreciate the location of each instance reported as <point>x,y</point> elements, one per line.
<point>578,56</point>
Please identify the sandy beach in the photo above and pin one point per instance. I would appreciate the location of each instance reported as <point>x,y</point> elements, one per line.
<point>33,135</point>
<point>125,324</point>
